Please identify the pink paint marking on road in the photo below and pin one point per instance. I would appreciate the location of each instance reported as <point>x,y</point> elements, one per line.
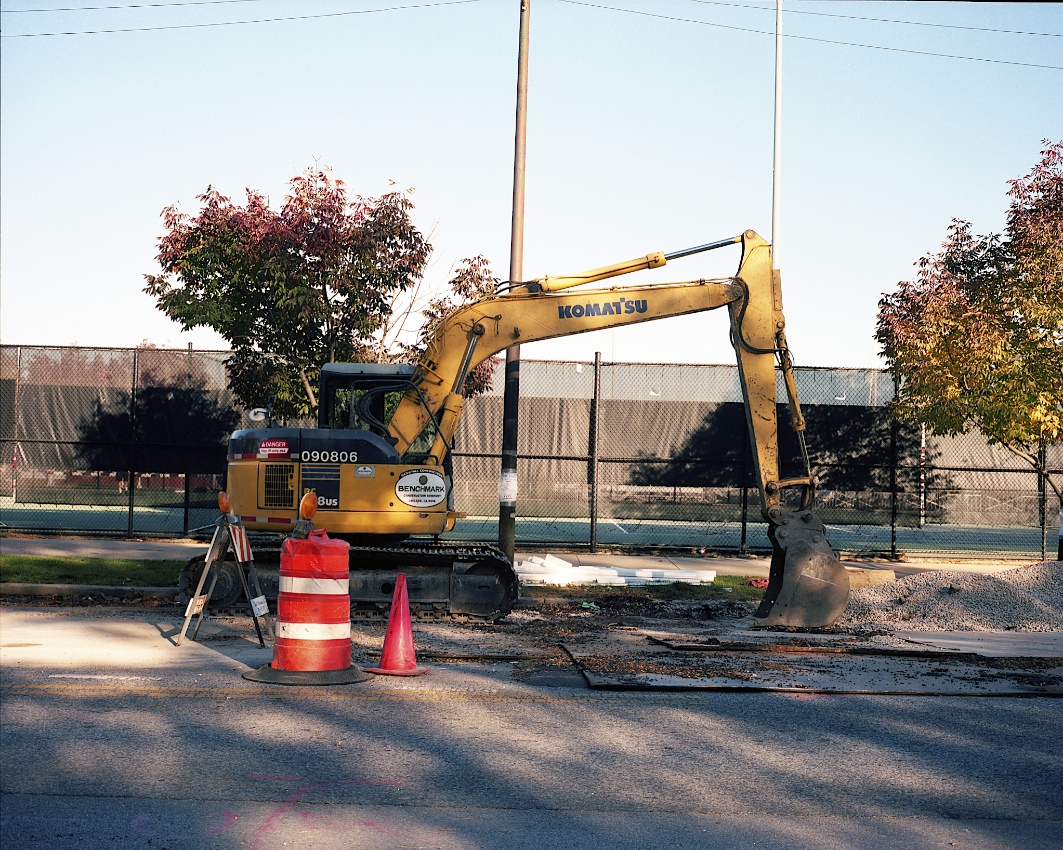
<point>143,824</point>
<point>288,805</point>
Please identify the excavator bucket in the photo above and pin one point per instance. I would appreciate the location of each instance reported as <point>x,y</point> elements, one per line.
<point>808,586</point>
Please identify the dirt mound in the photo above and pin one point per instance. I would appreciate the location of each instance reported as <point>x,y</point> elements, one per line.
<point>1028,599</point>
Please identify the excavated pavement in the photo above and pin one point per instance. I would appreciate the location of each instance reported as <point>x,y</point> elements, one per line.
<point>699,646</point>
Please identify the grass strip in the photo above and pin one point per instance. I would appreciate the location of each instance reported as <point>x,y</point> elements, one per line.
<point>111,572</point>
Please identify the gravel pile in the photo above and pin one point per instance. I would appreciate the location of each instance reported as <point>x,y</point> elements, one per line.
<point>1028,599</point>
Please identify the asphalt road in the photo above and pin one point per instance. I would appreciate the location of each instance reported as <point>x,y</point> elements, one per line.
<point>112,737</point>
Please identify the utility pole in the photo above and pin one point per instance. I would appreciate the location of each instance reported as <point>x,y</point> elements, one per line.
<point>776,169</point>
<point>507,482</point>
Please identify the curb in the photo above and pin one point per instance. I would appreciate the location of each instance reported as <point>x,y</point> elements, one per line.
<point>15,588</point>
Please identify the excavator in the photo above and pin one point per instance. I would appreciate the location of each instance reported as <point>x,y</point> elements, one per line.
<point>380,465</point>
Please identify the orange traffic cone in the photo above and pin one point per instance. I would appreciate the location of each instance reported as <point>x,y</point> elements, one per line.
<point>398,657</point>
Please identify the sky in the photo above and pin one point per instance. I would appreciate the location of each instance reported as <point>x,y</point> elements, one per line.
<point>650,128</point>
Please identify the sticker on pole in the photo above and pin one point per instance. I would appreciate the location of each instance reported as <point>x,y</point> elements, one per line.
<point>260,606</point>
<point>421,488</point>
<point>507,488</point>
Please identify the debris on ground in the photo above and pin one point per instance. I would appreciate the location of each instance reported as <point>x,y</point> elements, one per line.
<point>682,636</point>
<point>557,572</point>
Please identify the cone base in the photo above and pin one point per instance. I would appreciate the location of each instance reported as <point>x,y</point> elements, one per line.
<point>272,676</point>
<point>380,671</point>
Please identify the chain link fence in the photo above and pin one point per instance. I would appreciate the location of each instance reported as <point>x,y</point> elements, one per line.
<point>112,441</point>
<point>612,455</point>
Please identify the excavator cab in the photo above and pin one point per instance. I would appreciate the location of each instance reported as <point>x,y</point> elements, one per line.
<point>364,397</point>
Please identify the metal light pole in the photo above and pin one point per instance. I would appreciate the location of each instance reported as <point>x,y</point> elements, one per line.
<point>507,482</point>
<point>776,168</point>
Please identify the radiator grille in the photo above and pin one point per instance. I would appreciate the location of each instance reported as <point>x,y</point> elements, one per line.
<point>277,485</point>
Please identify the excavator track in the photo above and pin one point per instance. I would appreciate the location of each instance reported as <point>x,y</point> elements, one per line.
<point>467,583</point>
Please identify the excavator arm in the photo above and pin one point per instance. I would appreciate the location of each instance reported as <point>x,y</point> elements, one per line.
<point>807,586</point>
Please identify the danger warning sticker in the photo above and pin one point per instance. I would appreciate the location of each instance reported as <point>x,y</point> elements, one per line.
<point>421,488</point>
<point>274,448</point>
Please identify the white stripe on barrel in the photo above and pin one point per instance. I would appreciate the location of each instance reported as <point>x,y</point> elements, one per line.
<point>314,631</point>
<point>328,586</point>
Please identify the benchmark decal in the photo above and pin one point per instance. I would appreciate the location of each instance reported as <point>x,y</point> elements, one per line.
<point>421,488</point>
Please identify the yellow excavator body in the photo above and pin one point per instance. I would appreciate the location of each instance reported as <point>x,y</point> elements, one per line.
<point>379,462</point>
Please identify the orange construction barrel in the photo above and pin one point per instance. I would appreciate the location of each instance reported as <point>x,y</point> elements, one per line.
<point>313,614</point>
<point>314,604</point>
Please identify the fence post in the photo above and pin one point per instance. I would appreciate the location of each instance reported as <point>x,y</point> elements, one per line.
<point>746,449</point>
<point>893,488</point>
<point>132,447</point>
<point>188,478</point>
<point>1042,497</point>
<point>592,452</point>
<point>922,474</point>
<point>14,430</point>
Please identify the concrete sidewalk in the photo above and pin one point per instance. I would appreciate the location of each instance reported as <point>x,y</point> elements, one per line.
<point>649,655</point>
<point>102,547</point>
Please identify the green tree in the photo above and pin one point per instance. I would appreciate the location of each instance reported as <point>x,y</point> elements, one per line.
<point>976,340</point>
<point>291,289</point>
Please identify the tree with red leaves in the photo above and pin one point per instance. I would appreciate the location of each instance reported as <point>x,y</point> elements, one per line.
<point>312,283</point>
<point>976,340</point>
<point>472,280</point>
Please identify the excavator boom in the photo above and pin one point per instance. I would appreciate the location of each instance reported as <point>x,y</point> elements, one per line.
<point>808,585</point>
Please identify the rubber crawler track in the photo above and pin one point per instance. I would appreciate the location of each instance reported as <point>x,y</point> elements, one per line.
<point>431,562</point>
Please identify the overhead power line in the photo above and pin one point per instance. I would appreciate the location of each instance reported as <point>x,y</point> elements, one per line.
<point>700,2</point>
<point>811,38</point>
<point>721,3</point>
<point>239,23</point>
<point>126,6</point>
<point>876,20</point>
